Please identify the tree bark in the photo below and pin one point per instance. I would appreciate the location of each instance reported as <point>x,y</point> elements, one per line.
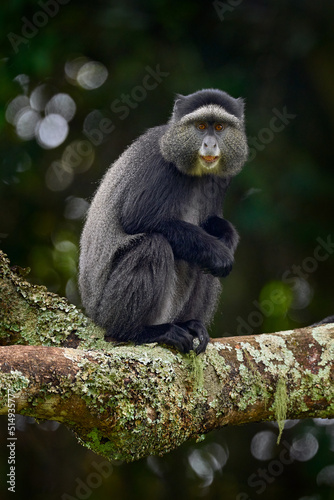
<point>126,402</point>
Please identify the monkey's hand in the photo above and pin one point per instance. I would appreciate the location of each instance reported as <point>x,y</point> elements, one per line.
<point>219,260</point>
<point>194,245</point>
<point>222,229</point>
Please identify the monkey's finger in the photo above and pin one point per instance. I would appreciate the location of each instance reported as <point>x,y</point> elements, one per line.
<point>198,330</point>
<point>180,338</point>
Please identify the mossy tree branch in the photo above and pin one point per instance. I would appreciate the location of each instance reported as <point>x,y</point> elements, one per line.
<point>127,402</point>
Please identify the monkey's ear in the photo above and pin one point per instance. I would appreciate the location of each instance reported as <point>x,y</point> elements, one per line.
<point>179,98</point>
<point>241,107</point>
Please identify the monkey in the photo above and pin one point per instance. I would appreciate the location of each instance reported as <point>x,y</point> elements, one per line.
<point>155,243</point>
<point>328,319</point>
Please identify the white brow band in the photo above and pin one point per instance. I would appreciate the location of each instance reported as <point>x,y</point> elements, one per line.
<point>210,112</point>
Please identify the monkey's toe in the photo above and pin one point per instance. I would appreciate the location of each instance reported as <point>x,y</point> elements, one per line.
<point>197,330</point>
<point>179,337</point>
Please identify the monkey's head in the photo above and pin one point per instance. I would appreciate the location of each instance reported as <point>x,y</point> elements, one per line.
<point>206,134</point>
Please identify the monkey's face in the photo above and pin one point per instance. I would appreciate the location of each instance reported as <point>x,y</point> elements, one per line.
<point>207,141</point>
<point>209,155</point>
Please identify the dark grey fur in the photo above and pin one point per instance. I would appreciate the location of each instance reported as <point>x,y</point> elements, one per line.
<point>154,242</point>
<point>328,319</point>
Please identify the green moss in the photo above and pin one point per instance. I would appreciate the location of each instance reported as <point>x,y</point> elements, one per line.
<point>253,387</point>
<point>41,317</point>
<point>147,399</point>
<point>13,382</point>
<point>150,399</point>
<point>96,442</point>
<point>280,405</point>
<point>195,367</point>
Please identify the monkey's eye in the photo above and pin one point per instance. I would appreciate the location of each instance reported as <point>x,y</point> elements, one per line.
<point>201,126</point>
<point>219,126</point>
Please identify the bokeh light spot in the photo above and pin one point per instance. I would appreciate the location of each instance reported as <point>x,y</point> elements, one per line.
<point>92,75</point>
<point>16,106</point>
<point>26,123</point>
<point>61,104</point>
<point>263,445</point>
<point>52,131</point>
<point>304,448</point>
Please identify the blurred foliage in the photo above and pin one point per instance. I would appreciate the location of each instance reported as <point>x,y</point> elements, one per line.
<point>279,57</point>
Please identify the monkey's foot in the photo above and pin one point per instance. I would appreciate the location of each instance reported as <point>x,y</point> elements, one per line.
<point>197,330</point>
<point>179,335</point>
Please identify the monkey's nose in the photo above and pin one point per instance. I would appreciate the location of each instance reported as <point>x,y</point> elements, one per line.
<point>210,143</point>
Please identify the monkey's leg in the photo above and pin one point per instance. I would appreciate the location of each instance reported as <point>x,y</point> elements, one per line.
<point>137,286</point>
<point>202,300</point>
<point>139,294</point>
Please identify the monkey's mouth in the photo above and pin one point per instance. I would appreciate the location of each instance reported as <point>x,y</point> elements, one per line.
<point>209,160</point>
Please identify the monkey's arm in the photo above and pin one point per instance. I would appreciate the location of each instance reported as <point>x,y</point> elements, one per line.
<point>189,242</point>
<point>192,244</point>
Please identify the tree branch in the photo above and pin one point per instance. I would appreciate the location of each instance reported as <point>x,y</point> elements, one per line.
<point>126,402</point>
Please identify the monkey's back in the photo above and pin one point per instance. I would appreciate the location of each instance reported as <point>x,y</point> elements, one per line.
<point>103,235</point>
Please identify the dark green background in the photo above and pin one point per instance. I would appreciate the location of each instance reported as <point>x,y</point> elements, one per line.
<point>277,55</point>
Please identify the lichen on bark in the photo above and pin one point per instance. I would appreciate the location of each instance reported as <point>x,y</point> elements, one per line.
<point>126,402</point>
